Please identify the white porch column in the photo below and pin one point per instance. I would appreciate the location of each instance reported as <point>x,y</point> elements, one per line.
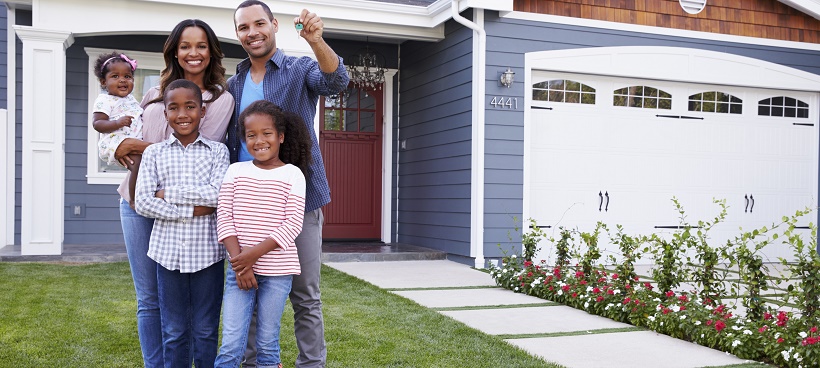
<point>43,150</point>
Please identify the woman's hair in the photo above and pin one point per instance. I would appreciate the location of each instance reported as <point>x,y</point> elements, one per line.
<point>295,149</point>
<point>214,74</point>
<point>104,62</point>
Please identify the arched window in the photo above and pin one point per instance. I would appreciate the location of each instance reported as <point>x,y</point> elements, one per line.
<point>562,90</point>
<point>715,101</point>
<point>642,96</point>
<point>787,107</point>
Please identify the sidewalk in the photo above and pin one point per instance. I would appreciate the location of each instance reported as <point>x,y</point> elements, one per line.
<point>554,332</point>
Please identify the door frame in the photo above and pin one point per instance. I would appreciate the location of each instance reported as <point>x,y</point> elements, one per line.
<point>387,153</point>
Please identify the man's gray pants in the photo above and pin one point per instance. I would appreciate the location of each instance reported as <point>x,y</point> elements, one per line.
<point>305,298</point>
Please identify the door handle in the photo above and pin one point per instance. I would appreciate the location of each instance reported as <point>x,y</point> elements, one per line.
<point>600,200</point>
<point>746,197</point>
<point>606,208</point>
<point>752,199</point>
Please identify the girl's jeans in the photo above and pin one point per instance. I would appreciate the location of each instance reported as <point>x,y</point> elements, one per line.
<point>238,306</point>
<point>136,230</point>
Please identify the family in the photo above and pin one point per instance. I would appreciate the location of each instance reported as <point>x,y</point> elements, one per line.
<point>223,169</point>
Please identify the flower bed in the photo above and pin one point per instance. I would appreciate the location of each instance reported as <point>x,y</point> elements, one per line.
<point>788,339</point>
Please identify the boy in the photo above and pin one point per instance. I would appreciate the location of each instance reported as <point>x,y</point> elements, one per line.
<point>179,185</point>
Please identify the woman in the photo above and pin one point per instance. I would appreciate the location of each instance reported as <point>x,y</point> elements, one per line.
<point>191,52</point>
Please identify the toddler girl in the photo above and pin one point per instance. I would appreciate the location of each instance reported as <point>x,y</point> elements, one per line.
<point>117,114</point>
<point>260,212</point>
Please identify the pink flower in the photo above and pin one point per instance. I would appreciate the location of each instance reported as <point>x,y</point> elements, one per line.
<point>627,286</point>
<point>780,340</point>
<point>813,329</point>
<point>565,287</point>
<point>665,310</point>
<point>670,294</point>
<point>719,325</point>
<point>648,286</point>
<point>767,316</point>
<point>683,298</point>
<point>527,263</point>
<point>599,299</point>
<point>557,272</point>
<point>529,274</point>
<point>709,322</point>
<point>596,290</point>
<point>614,276</point>
<point>763,329</point>
<point>574,295</point>
<point>627,300</point>
<point>682,307</point>
<point>610,292</point>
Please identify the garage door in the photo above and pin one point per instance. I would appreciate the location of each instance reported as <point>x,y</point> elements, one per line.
<point>618,150</point>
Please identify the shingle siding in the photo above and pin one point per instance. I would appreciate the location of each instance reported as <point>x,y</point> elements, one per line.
<point>433,180</point>
<point>507,42</point>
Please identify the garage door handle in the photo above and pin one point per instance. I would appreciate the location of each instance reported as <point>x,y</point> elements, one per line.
<point>752,199</point>
<point>746,197</point>
<point>606,208</point>
<point>600,200</point>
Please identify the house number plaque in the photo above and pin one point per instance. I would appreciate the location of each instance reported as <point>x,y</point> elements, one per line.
<point>505,103</point>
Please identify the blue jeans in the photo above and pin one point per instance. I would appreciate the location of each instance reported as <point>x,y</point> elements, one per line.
<point>238,306</point>
<point>136,230</point>
<point>189,306</point>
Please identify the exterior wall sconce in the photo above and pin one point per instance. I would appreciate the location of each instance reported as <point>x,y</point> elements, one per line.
<point>507,78</point>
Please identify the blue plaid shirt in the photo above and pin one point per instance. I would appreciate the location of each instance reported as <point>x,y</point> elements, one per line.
<point>191,176</point>
<point>294,84</point>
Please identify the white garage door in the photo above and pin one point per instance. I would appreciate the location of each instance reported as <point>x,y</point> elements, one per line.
<point>618,150</point>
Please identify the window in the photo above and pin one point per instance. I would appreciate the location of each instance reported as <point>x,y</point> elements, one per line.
<point>351,111</point>
<point>145,77</point>
<point>561,90</point>
<point>642,97</point>
<point>715,102</point>
<point>783,106</point>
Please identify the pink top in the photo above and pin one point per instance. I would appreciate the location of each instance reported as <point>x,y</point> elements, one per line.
<point>255,204</point>
<point>155,126</point>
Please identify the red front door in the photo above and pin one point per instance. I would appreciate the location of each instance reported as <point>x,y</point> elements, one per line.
<point>351,144</point>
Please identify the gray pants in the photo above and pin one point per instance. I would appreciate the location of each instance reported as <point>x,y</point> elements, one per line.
<point>305,298</point>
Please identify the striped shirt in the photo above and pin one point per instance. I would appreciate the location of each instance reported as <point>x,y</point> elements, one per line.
<point>294,84</point>
<point>190,176</point>
<point>256,204</point>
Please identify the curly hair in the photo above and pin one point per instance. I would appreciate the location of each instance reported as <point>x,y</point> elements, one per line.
<point>214,73</point>
<point>101,67</point>
<point>295,149</point>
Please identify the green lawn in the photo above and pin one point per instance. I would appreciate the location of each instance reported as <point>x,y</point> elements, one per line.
<point>84,316</point>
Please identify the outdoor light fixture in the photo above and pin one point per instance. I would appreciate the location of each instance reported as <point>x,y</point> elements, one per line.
<point>507,78</point>
<point>367,69</point>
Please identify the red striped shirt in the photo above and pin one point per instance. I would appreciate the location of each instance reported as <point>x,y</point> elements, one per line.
<point>255,204</point>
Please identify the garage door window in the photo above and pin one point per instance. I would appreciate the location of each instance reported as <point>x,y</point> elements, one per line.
<point>783,106</point>
<point>563,90</point>
<point>642,97</point>
<point>715,101</point>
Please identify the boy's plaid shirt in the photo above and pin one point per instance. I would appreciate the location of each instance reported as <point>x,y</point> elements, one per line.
<point>191,176</point>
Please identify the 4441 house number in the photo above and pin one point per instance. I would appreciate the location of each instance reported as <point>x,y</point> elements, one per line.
<point>504,103</point>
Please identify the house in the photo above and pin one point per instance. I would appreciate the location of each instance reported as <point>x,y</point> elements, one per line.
<point>612,108</point>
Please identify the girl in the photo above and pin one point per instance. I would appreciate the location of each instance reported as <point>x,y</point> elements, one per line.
<point>260,213</point>
<point>117,114</point>
<point>191,52</point>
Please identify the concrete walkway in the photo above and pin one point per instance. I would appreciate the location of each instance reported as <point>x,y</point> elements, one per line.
<point>556,333</point>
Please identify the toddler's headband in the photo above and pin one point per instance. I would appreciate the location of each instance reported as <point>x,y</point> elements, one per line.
<point>123,57</point>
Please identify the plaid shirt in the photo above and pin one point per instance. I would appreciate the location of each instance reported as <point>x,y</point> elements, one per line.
<point>294,84</point>
<point>191,176</point>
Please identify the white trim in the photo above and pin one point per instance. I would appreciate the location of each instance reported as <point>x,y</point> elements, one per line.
<point>677,64</point>
<point>548,18</point>
<point>387,155</point>
<point>477,148</point>
<point>147,60</point>
<point>43,177</point>
<point>8,184</point>
<point>579,61</point>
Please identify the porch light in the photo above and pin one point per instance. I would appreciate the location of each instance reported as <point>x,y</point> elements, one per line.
<point>366,70</point>
<point>507,78</point>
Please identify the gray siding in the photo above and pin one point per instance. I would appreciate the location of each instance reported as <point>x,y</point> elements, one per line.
<point>433,180</point>
<point>4,65</point>
<point>23,18</point>
<point>507,41</point>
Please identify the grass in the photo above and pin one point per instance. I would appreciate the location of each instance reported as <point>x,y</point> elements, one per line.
<point>84,316</point>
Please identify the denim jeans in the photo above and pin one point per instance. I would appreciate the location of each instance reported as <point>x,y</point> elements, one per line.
<point>189,306</point>
<point>238,307</point>
<point>136,230</point>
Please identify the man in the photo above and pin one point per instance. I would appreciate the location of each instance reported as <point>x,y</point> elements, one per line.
<point>294,84</point>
